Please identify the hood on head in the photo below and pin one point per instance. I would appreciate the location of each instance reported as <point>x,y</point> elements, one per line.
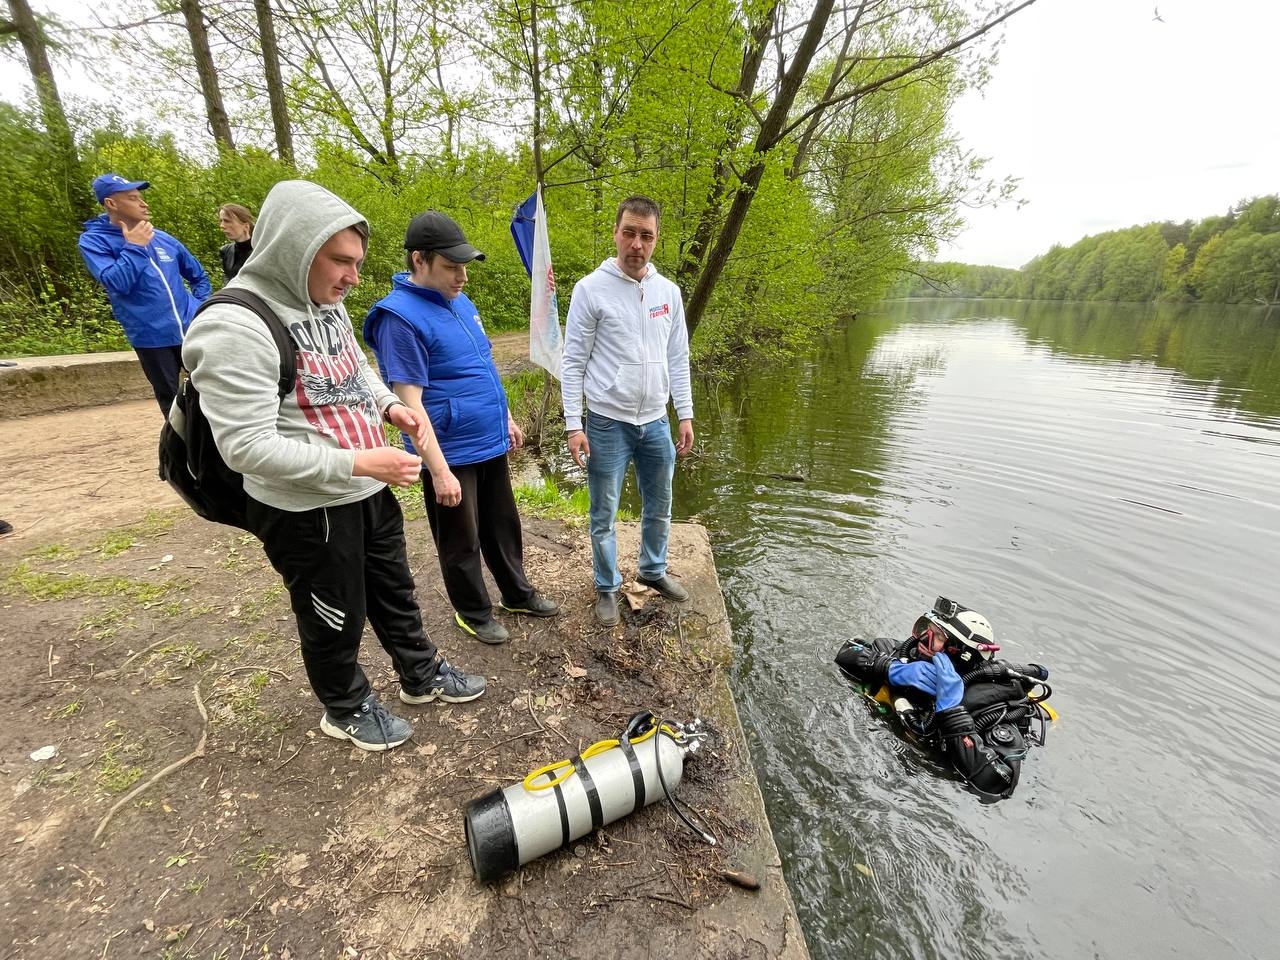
<point>297,218</point>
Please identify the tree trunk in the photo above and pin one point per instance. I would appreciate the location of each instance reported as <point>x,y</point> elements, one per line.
<point>770,133</point>
<point>752,55</point>
<point>219,126</point>
<point>535,70</point>
<point>27,28</point>
<point>275,81</point>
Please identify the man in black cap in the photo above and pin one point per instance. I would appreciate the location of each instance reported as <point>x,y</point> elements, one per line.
<point>153,282</point>
<point>433,352</point>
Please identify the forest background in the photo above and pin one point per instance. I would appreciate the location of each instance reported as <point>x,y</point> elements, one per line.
<point>1232,258</point>
<point>800,150</point>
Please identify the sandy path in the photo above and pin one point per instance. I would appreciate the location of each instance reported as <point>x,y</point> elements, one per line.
<point>80,469</point>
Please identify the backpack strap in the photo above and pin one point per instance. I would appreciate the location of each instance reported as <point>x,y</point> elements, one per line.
<point>279,333</point>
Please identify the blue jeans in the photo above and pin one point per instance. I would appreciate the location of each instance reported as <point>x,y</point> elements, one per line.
<point>614,444</point>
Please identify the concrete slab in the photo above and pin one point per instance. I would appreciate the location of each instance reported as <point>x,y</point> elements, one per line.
<point>36,385</point>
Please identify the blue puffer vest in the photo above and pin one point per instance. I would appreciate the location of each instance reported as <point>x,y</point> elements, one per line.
<point>464,396</point>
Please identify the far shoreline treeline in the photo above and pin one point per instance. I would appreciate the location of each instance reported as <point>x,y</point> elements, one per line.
<point>1233,258</point>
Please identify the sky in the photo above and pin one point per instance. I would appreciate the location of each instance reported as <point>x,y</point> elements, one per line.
<point>1111,118</point>
<point>1107,116</point>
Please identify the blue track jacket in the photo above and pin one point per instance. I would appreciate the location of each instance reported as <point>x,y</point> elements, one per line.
<point>463,395</point>
<point>147,286</point>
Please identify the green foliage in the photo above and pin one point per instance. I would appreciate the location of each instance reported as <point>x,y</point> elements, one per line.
<point>1223,259</point>
<point>401,110</point>
<point>549,502</point>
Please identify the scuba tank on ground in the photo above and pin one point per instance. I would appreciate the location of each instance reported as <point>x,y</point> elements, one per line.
<point>562,801</point>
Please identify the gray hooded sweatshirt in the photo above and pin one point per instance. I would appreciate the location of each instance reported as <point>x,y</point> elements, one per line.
<point>296,453</point>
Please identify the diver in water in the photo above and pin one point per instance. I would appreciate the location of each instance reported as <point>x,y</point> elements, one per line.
<point>949,692</point>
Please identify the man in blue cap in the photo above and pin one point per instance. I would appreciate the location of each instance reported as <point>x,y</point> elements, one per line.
<point>153,282</point>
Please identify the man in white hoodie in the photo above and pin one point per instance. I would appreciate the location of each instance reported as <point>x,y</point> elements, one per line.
<point>627,350</point>
<point>316,463</point>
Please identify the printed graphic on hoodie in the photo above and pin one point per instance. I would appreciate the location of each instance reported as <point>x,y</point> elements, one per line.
<point>331,393</point>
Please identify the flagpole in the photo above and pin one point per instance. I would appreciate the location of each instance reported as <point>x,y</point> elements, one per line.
<point>546,374</point>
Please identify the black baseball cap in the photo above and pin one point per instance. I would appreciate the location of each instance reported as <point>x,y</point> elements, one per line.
<point>435,232</point>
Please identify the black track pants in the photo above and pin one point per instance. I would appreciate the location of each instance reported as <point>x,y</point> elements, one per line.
<point>341,564</point>
<point>161,365</point>
<point>486,524</point>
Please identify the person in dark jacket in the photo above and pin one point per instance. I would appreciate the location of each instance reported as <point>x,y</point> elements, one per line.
<point>433,352</point>
<point>949,692</point>
<point>153,282</point>
<point>237,223</point>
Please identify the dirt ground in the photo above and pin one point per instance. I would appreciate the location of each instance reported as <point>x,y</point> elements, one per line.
<point>137,636</point>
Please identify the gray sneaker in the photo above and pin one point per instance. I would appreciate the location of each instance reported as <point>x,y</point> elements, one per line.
<point>371,726</point>
<point>488,631</point>
<point>536,606</point>
<point>449,684</point>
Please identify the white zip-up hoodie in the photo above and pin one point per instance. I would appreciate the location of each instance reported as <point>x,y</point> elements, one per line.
<point>625,347</point>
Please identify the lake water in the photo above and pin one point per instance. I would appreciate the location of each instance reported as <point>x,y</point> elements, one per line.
<point>1101,482</point>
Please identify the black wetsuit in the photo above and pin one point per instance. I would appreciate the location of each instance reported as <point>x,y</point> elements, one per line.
<point>984,738</point>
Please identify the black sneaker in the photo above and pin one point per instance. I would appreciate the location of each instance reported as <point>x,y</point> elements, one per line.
<point>371,726</point>
<point>449,684</point>
<point>535,606</point>
<point>486,631</point>
<point>607,607</point>
<point>665,586</point>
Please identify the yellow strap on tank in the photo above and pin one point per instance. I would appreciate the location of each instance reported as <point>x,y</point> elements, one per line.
<point>600,746</point>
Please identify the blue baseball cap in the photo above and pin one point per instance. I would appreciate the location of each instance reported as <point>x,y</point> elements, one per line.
<point>109,183</point>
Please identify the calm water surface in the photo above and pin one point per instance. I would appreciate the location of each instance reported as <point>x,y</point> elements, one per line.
<point>1101,483</point>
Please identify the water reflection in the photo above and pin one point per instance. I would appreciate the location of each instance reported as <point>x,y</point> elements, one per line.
<point>1101,484</point>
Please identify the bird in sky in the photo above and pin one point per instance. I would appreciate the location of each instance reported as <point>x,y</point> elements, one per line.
<point>1157,16</point>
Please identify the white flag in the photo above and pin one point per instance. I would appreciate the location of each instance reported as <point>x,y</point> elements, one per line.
<point>546,344</point>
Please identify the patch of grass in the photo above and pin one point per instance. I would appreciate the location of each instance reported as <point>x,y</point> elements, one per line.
<point>102,626</point>
<point>157,522</point>
<point>55,776</point>
<point>58,551</point>
<point>244,708</point>
<point>548,502</point>
<point>172,610</point>
<point>51,585</point>
<point>196,886</point>
<point>70,710</point>
<point>115,543</point>
<point>257,860</point>
<point>234,559</point>
<point>411,502</point>
<point>187,653</point>
<point>254,607</point>
<point>524,394</point>
<point>116,774</point>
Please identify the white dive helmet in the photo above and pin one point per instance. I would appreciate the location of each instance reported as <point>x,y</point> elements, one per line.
<point>971,630</point>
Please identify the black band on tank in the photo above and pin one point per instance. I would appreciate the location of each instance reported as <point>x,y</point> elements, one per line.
<point>637,775</point>
<point>564,816</point>
<point>593,795</point>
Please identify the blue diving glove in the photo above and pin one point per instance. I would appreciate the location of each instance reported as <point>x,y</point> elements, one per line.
<point>950,686</point>
<point>916,673</point>
<point>936,677</point>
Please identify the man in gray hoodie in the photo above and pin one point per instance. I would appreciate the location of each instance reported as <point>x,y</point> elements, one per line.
<point>316,463</point>
<point>626,349</point>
